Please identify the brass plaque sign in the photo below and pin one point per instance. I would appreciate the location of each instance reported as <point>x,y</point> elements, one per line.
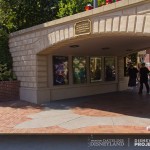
<point>82,27</point>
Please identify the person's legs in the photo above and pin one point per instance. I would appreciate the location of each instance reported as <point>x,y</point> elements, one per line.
<point>147,86</point>
<point>141,87</point>
<point>134,89</point>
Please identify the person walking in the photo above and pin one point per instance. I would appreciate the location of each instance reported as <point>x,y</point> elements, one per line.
<point>144,72</point>
<point>132,72</point>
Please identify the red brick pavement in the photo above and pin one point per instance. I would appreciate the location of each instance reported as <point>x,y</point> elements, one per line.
<point>15,112</point>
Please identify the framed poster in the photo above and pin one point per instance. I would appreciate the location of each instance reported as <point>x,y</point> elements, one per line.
<point>95,69</point>
<point>79,70</point>
<point>110,73</point>
<point>60,70</point>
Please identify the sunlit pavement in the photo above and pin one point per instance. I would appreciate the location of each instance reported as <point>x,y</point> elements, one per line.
<point>118,112</point>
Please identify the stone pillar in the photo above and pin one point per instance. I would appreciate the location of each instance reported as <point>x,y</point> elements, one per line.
<point>122,80</point>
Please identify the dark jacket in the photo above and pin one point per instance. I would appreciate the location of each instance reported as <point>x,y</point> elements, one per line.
<point>144,74</point>
<point>132,72</point>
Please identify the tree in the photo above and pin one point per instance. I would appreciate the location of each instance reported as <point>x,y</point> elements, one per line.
<point>101,2</point>
<point>6,16</point>
<point>70,7</point>
<point>5,57</point>
<point>20,14</point>
<point>133,58</point>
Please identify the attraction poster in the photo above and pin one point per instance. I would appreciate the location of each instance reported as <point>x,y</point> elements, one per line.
<point>79,70</point>
<point>60,70</point>
<point>110,74</point>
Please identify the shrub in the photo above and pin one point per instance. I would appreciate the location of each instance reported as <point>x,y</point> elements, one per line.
<point>5,56</point>
<point>6,74</point>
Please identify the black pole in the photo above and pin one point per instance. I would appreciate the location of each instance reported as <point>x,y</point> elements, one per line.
<point>95,3</point>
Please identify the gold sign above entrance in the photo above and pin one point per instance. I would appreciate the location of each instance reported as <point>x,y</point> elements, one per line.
<point>82,27</point>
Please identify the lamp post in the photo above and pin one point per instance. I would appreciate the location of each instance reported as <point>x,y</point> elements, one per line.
<point>95,3</point>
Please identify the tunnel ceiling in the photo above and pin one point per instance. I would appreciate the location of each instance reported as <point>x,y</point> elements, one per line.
<point>103,45</point>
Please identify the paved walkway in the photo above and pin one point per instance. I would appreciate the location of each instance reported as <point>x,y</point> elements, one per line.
<point>118,112</point>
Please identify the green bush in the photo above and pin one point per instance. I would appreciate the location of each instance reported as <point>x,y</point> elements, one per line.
<point>6,74</point>
<point>5,56</point>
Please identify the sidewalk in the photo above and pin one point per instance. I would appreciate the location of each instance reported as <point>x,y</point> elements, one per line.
<point>118,112</point>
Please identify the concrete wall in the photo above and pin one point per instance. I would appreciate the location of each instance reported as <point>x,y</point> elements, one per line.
<point>79,91</point>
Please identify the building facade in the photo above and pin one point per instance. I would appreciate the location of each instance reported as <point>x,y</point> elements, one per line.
<point>82,54</point>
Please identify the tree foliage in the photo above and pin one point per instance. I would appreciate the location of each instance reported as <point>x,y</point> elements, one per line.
<point>20,14</point>
<point>101,2</point>
<point>70,7</point>
<point>6,74</point>
<point>133,58</point>
<point>5,56</point>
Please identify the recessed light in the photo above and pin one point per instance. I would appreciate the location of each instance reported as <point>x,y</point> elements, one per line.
<point>128,50</point>
<point>105,48</point>
<point>74,46</point>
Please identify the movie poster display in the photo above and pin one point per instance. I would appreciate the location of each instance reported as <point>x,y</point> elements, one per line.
<point>110,74</point>
<point>95,69</point>
<point>79,70</point>
<point>60,70</point>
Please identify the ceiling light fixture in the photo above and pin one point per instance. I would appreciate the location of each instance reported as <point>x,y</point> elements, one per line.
<point>74,46</point>
<point>129,50</point>
<point>105,48</point>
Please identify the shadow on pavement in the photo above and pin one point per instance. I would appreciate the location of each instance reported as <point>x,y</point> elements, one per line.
<point>20,104</point>
<point>121,103</point>
<point>109,104</point>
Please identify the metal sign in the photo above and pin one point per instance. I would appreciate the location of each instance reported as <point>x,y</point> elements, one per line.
<point>82,27</point>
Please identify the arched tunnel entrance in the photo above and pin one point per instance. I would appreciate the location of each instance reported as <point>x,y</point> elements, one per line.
<point>106,44</point>
<point>90,64</point>
<point>80,55</point>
